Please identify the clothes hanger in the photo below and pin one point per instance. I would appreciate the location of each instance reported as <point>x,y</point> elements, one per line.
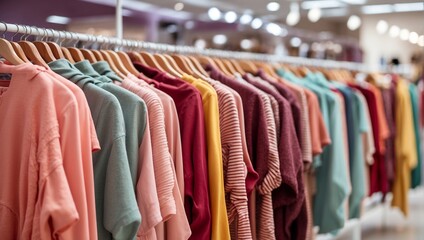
<point>222,66</point>
<point>75,52</point>
<point>97,55</point>
<point>248,66</point>
<point>182,64</point>
<point>236,66</point>
<point>229,66</point>
<point>17,47</point>
<point>127,63</point>
<point>136,57</point>
<point>55,48</point>
<point>65,51</point>
<point>87,53</point>
<point>151,61</point>
<point>205,60</point>
<point>174,64</point>
<point>31,51</point>
<point>268,69</point>
<point>113,62</point>
<point>163,62</point>
<point>196,72</point>
<point>7,51</point>
<point>197,65</point>
<point>44,49</point>
<point>109,60</point>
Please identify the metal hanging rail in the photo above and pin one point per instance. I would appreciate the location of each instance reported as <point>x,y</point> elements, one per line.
<point>188,50</point>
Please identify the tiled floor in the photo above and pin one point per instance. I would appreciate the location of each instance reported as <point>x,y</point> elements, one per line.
<point>389,224</point>
<point>385,223</point>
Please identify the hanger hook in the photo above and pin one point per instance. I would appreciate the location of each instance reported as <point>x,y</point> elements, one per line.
<point>29,34</point>
<point>22,36</point>
<point>38,32</point>
<point>5,30</point>
<point>17,31</point>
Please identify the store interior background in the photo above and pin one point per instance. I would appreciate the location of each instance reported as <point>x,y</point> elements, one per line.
<point>374,32</point>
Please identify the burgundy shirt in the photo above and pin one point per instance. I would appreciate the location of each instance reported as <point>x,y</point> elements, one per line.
<point>289,198</point>
<point>193,140</point>
<point>378,171</point>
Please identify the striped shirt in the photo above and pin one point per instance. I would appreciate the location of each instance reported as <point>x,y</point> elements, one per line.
<point>234,168</point>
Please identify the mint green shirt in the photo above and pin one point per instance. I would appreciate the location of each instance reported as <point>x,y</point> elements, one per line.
<point>416,172</point>
<point>117,211</point>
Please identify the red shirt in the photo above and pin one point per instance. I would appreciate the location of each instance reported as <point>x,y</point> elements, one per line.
<point>193,140</point>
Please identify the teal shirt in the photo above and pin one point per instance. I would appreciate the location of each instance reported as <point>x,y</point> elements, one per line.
<point>103,68</point>
<point>416,172</point>
<point>332,180</point>
<point>117,211</point>
<point>134,111</point>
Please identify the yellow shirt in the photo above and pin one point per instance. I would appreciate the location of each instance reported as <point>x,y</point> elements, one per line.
<point>220,228</point>
<point>405,146</point>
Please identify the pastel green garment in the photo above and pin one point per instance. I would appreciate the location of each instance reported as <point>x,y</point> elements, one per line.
<point>117,211</point>
<point>332,182</point>
<point>416,172</point>
<point>133,108</point>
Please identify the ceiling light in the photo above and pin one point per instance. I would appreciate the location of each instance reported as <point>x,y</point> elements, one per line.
<point>179,6</point>
<point>409,7</point>
<point>321,4</point>
<point>172,28</point>
<point>230,17</point>
<point>273,6</point>
<point>413,37</point>
<point>295,42</point>
<point>214,14</point>
<point>293,17</point>
<point>200,43</point>
<point>355,2</point>
<point>246,44</point>
<point>189,24</point>
<point>377,9</point>
<point>314,14</point>
<point>421,41</point>
<point>404,34</point>
<point>219,39</point>
<point>246,18</point>
<point>256,23</point>
<point>58,19</point>
<point>394,31</point>
<point>273,28</point>
<point>353,23</point>
<point>382,27</point>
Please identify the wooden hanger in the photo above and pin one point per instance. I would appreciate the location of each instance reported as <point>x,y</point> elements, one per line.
<point>7,52</point>
<point>204,60</point>
<point>32,53</point>
<point>237,66</point>
<point>268,69</point>
<point>87,53</point>
<point>151,61</point>
<point>112,57</point>
<point>182,64</point>
<point>196,72</point>
<point>166,66</point>
<point>128,63</point>
<point>18,50</point>
<point>222,66</point>
<point>229,66</point>
<point>44,49</point>
<point>111,62</point>
<point>174,64</point>
<point>67,55</point>
<point>97,55</point>
<point>248,66</point>
<point>136,57</point>
<point>197,65</point>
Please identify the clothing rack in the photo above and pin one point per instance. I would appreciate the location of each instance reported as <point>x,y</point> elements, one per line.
<point>187,50</point>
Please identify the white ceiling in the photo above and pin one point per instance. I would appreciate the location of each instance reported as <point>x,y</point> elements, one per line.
<point>258,7</point>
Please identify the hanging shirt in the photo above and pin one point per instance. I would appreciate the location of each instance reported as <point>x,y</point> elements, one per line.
<point>176,222</point>
<point>257,120</point>
<point>190,113</point>
<point>120,218</point>
<point>103,69</point>
<point>416,172</point>
<point>234,167</point>
<point>289,198</point>
<point>220,227</point>
<point>406,149</point>
<point>133,108</point>
<point>32,163</point>
<point>82,186</point>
